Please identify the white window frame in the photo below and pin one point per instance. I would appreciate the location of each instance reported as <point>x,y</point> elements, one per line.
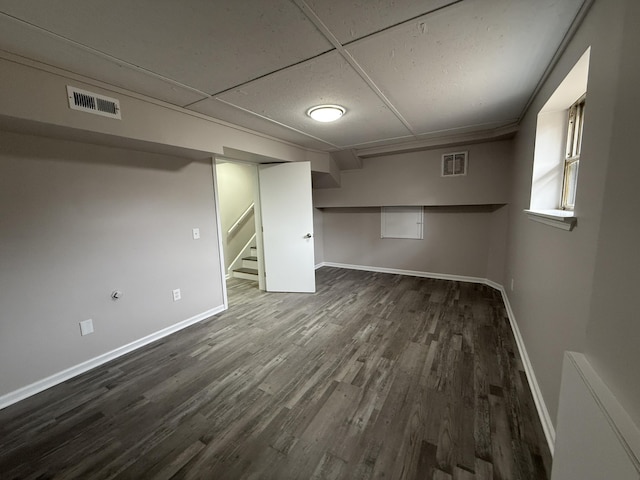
<point>548,203</point>
<point>572,157</point>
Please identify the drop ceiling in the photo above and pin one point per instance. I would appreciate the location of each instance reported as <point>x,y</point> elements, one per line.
<point>405,70</point>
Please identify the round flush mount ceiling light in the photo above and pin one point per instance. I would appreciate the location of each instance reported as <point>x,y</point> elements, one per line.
<point>326,113</point>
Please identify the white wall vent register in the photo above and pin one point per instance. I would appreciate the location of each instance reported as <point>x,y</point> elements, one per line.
<point>455,164</point>
<point>93,103</point>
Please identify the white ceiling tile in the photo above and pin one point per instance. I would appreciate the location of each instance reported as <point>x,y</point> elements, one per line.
<point>20,39</point>
<point>471,64</point>
<point>217,109</point>
<point>468,66</point>
<point>209,45</point>
<point>349,20</point>
<point>286,96</point>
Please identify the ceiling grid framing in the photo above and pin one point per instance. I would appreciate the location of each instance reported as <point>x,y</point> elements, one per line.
<point>351,61</point>
<point>105,56</point>
<point>278,123</point>
<point>409,72</point>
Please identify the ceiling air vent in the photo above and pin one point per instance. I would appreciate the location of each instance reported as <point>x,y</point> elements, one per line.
<point>455,164</point>
<point>93,103</point>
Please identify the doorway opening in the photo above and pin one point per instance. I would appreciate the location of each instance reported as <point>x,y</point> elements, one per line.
<point>266,222</point>
<point>238,202</point>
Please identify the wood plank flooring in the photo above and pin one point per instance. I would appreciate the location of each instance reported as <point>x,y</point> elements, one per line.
<point>374,376</point>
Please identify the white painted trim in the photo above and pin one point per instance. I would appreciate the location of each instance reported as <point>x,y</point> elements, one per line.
<point>154,101</point>
<point>440,139</point>
<point>246,276</point>
<point>319,265</point>
<point>240,220</point>
<point>37,387</point>
<point>216,206</point>
<point>257,215</point>
<point>554,218</point>
<point>412,273</point>
<point>614,413</point>
<point>246,250</point>
<point>492,284</point>
<point>541,407</point>
<point>547,425</point>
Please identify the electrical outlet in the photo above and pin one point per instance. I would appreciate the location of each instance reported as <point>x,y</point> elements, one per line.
<point>512,284</point>
<point>177,295</point>
<point>86,327</point>
<point>196,233</point>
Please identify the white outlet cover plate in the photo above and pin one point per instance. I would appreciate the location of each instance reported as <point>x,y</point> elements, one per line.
<point>86,327</point>
<point>196,233</point>
<point>177,295</point>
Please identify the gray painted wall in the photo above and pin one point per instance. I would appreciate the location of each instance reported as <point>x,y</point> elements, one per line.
<point>414,179</point>
<point>457,240</point>
<point>614,323</point>
<point>466,210</point>
<point>318,235</point>
<point>236,185</point>
<point>552,269</point>
<point>78,221</point>
<point>498,245</point>
<point>33,99</point>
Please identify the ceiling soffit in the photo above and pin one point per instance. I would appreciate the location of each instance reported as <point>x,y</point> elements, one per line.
<point>404,69</point>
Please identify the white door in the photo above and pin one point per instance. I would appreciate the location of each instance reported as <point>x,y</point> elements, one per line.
<point>287,222</point>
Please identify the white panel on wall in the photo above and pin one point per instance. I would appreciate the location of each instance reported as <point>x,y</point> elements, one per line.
<point>402,222</point>
<point>596,438</point>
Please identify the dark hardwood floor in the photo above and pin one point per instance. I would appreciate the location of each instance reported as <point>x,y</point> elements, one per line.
<point>374,376</point>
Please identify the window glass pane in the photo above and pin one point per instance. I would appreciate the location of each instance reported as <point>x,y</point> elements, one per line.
<point>579,125</point>
<point>571,184</point>
<point>574,145</point>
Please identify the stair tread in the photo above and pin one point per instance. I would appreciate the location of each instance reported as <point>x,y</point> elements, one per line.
<point>251,258</point>
<point>251,271</point>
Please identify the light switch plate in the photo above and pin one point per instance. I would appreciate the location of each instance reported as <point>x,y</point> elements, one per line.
<point>86,327</point>
<point>177,295</point>
<point>196,233</point>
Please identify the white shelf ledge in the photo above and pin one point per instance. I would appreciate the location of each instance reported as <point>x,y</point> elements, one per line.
<point>563,219</point>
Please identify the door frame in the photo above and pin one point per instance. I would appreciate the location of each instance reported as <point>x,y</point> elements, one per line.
<point>257,215</point>
<point>216,206</point>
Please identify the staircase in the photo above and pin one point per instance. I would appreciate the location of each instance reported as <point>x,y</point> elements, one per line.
<point>249,269</point>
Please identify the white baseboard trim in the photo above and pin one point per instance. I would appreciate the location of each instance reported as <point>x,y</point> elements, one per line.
<point>541,407</point>
<point>37,387</point>
<point>547,425</point>
<point>411,273</point>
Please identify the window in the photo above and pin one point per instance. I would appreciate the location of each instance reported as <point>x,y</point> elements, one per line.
<point>557,150</point>
<point>572,158</point>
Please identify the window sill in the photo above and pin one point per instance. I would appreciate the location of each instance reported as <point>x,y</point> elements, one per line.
<point>563,219</point>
